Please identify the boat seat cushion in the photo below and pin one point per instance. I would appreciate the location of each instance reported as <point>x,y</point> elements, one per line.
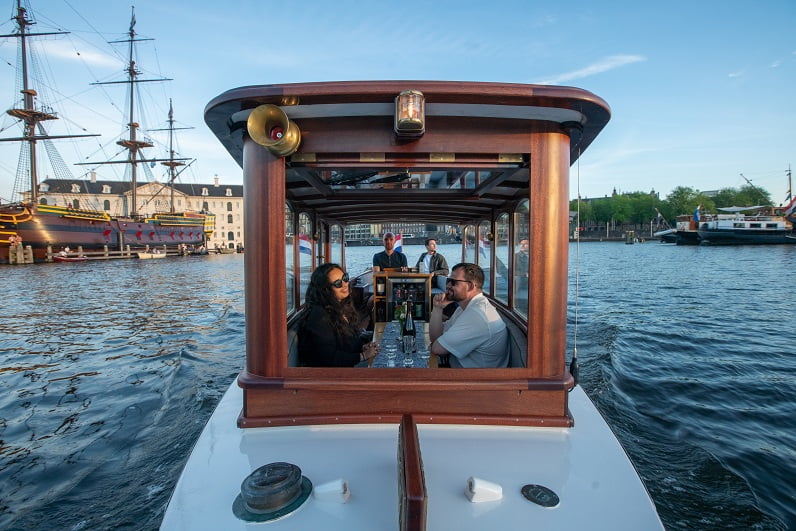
<point>292,347</point>
<point>438,284</point>
<point>518,344</point>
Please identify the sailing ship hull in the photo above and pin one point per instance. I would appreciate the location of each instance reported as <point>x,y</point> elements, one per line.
<point>47,228</point>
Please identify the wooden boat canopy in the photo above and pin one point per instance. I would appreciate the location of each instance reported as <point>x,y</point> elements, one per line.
<point>351,168</point>
<point>492,158</point>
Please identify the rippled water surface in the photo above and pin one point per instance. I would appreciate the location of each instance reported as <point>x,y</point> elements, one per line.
<point>110,370</point>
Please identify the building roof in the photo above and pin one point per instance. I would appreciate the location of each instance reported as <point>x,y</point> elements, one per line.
<point>64,186</point>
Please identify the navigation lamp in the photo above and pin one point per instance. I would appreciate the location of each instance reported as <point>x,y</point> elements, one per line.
<point>410,114</point>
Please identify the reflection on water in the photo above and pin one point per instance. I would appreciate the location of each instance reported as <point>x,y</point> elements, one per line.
<point>110,370</point>
<point>686,351</point>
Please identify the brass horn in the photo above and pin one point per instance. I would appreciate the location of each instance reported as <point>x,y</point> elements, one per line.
<point>269,126</point>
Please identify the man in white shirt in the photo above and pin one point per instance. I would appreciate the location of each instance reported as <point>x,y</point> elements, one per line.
<point>475,336</point>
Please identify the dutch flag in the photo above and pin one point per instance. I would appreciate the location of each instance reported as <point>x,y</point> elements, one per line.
<point>399,244</point>
<point>304,244</point>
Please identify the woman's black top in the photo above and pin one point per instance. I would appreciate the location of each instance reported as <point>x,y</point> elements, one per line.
<point>320,346</point>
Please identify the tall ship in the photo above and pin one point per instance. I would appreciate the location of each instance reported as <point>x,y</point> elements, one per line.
<point>29,222</point>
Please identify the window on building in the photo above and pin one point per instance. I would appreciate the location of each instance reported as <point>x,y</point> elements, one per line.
<point>106,189</point>
<point>75,188</point>
<point>106,205</point>
<point>231,236</point>
<point>205,192</point>
<point>43,201</point>
<point>75,203</point>
<point>229,207</point>
<point>229,192</point>
<point>205,207</point>
<point>229,218</point>
<point>44,187</point>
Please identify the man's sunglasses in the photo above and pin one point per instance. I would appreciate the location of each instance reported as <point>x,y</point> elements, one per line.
<point>454,281</point>
<point>339,282</point>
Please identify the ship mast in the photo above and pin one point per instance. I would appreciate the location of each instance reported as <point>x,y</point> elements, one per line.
<point>28,114</point>
<point>172,163</point>
<point>132,143</point>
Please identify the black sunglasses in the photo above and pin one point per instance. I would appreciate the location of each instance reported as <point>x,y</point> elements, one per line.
<point>454,281</point>
<point>339,282</point>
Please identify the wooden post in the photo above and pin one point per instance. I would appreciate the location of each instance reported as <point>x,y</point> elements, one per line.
<point>265,271</point>
<point>549,253</point>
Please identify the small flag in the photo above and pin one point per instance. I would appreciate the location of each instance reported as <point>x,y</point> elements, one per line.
<point>789,209</point>
<point>304,244</point>
<point>399,244</point>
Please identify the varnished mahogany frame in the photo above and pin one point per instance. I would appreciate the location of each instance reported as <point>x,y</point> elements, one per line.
<point>275,394</point>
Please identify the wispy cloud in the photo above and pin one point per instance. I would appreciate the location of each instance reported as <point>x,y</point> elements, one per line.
<point>776,64</point>
<point>55,50</point>
<point>739,73</point>
<point>603,65</point>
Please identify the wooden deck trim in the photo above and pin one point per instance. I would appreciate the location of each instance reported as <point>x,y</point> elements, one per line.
<point>412,481</point>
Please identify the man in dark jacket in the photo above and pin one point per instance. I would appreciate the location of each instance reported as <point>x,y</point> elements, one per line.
<point>431,261</point>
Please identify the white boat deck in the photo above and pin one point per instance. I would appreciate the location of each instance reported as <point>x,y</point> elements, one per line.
<point>585,466</point>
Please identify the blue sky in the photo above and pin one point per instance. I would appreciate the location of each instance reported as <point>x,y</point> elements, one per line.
<point>700,91</point>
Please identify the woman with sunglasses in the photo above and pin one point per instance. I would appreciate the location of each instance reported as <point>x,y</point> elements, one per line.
<point>330,335</point>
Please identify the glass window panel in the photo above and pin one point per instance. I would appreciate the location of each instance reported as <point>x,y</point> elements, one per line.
<point>469,245</point>
<point>521,262</point>
<point>289,266</point>
<point>305,244</point>
<point>336,241</point>
<point>485,254</point>
<point>502,258</point>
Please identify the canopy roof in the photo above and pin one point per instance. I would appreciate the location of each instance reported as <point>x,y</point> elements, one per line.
<point>351,168</point>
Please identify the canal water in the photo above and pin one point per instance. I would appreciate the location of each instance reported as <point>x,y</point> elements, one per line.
<point>109,370</point>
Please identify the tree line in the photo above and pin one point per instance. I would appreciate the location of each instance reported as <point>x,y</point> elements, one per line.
<point>642,207</point>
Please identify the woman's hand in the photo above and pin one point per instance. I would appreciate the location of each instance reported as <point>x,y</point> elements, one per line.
<point>371,350</point>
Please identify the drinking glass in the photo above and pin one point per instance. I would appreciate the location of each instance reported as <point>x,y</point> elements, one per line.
<point>423,353</point>
<point>390,348</point>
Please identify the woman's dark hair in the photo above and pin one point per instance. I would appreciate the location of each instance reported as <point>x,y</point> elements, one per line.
<point>342,314</point>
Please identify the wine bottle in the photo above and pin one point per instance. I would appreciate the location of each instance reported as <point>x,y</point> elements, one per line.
<point>408,330</point>
<point>409,321</point>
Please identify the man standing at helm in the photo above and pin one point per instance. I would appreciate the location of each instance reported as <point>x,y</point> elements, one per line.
<point>389,257</point>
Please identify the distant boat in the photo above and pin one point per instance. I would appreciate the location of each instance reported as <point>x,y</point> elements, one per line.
<point>43,226</point>
<point>150,256</point>
<point>735,228</point>
<point>59,258</point>
<point>683,233</point>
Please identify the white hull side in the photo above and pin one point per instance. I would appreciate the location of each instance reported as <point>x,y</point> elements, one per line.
<point>585,466</point>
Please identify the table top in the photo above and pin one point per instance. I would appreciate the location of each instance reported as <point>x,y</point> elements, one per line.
<point>389,335</point>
